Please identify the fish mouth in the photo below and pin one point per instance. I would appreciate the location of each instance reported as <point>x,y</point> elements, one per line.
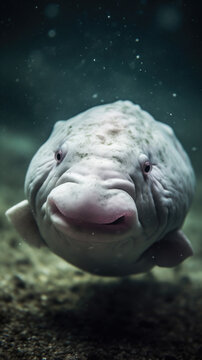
<point>114,224</point>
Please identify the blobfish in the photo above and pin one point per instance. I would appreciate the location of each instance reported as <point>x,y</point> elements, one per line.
<point>108,192</point>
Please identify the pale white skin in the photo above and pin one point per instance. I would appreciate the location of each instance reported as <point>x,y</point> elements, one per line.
<point>108,192</point>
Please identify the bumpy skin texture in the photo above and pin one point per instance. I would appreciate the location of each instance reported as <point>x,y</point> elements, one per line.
<point>109,191</point>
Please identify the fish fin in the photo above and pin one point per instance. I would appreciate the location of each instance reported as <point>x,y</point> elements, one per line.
<point>21,217</point>
<point>170,251</point>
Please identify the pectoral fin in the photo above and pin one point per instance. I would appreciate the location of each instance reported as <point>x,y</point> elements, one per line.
<point>20,215</point>
<point>174,248</point>
<point>168,252</point>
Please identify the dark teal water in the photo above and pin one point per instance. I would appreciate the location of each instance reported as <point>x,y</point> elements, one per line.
<point>59,58</point>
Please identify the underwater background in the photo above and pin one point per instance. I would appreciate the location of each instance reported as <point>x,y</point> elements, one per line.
<point>58,58</point>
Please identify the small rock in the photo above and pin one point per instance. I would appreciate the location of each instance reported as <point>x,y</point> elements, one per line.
<point>7,297</point>
<point>14,242</point>
<point>19,281</point>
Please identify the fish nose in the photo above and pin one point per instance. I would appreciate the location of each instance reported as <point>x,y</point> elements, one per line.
<point>109,202</point>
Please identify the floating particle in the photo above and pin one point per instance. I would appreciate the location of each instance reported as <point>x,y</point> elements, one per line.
<point>52,33</point>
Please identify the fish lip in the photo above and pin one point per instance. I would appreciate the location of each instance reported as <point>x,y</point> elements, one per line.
<point>70,226</point>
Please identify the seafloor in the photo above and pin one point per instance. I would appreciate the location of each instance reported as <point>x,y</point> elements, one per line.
<point>52,311</point>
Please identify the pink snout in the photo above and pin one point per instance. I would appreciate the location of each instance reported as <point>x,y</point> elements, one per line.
<point>85,205</point>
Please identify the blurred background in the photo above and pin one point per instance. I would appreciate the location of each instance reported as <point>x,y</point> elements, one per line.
<point>58,58</point>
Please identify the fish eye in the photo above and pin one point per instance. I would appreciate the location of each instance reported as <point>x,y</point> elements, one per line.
<point>147,167</point>
<point>61,153</point>
<point>58,156</point>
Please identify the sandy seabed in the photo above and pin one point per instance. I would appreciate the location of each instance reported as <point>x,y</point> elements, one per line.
<point>50,310</point>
